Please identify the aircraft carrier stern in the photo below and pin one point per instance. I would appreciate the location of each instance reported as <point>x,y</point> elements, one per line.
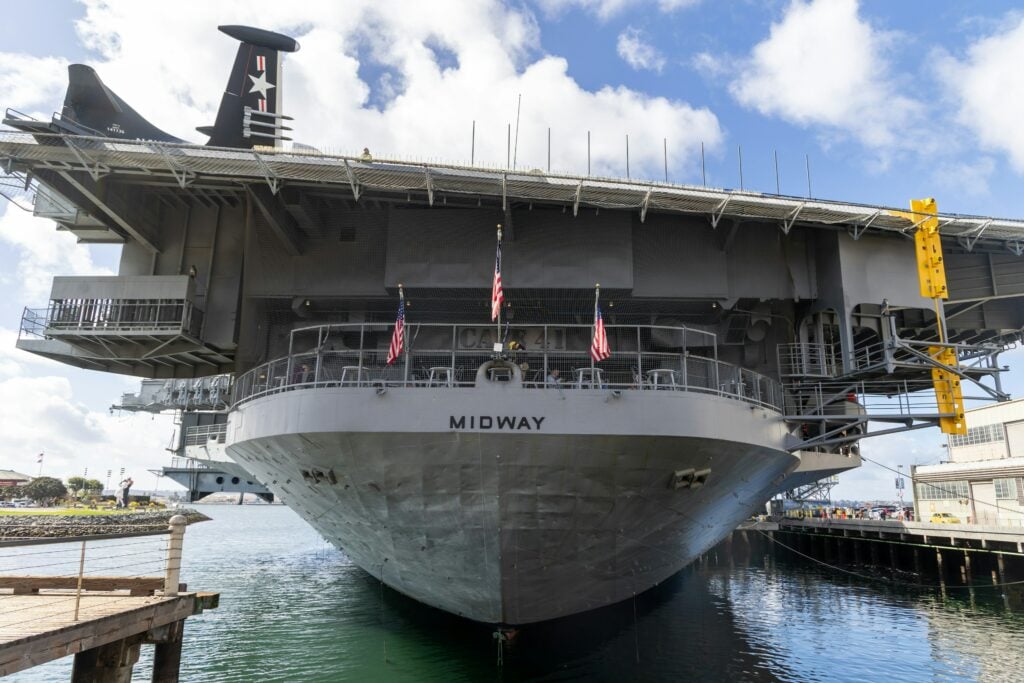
<point>474,488</point>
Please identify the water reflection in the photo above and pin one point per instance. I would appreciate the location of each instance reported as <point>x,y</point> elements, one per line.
<point>293,609</point>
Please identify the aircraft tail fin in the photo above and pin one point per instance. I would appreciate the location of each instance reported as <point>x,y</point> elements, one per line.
<point>91,108</point>
<point>250,111</point>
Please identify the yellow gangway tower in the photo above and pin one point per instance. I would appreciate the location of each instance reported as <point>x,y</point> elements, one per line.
<point>931,273</point>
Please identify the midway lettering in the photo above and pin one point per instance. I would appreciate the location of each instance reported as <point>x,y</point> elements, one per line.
<point>505,422</point>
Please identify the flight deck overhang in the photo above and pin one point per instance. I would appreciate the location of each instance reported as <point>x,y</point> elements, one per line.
<point>141,325</point>
<point>188,166</point>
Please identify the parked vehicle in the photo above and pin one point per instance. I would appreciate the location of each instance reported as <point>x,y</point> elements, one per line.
<point>944,518</point>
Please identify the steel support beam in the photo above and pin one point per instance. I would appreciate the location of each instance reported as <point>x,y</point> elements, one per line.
<point>790,220</point>
<point>352,182</point>
<point>644,205</point>
<point>137,235</point>
<point>719,211</point>
<point>867,224</point>
<point>273,182</point>
<point>280,221</point>
<point>183,175</point>
<point>95,169</point>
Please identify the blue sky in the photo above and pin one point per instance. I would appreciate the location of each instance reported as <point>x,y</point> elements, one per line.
<point>888,101</point>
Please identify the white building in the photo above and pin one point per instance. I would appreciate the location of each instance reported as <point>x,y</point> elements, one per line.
<point>983,480</point>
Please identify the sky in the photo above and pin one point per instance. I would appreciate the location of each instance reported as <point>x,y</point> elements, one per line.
<point>873,102</point>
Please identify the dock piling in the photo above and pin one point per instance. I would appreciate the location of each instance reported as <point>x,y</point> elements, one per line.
<point>174,545</point>
<point>110,663</point>
<point>167,652</point>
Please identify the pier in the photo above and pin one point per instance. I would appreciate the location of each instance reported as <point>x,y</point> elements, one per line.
<point>102,620</point>
<point>959,555</point>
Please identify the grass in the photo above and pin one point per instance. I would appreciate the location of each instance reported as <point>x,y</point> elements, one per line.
<point>62,512</point>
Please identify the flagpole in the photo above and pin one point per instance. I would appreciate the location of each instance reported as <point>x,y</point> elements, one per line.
<point>593,326</point>
<point>405,331</point>
<point>498,337</point>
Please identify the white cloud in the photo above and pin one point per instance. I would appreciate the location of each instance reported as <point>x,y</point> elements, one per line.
<point>40,252</point>
<point>638,53</point>
<point>606,9</point>
<point>963,177</point>
<point>988,88</point>
<point>33,85</point>
<point>709,65</point>
<point>15,363</point>
<point>824,65</point>
<point>41,415</point>
<point>673,5</point>
<point>42,410</point>
<point>403,83</point>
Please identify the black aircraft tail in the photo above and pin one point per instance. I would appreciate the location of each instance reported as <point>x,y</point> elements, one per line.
<point>91,108</point>
<point>250,112</point>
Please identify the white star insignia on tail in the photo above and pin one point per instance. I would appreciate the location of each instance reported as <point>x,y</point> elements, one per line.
<point>260,84</point>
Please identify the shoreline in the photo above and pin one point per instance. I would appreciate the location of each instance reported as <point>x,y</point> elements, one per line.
<point>56,525</point>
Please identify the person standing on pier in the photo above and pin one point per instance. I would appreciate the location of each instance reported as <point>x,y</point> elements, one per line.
<point>125,485</point>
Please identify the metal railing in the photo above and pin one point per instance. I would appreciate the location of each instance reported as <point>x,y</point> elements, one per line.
<point>880,399</point>
<point>813,360</point>
<point>448,356</point>
<point>66,571</point>
<point>807,359</point>
<point>178,462</point>
<point>201,435</point>
<point>105,316</point>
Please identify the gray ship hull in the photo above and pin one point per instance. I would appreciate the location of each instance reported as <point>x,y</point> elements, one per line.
<point>571,506</point>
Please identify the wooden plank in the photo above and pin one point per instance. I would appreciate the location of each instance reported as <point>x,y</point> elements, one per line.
<point>206,600</point>
<point>55,640</point>
<point>21,584</point>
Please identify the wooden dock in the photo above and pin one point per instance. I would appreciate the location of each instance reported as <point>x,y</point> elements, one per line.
<point>969,556</point>
<point>102,620</point>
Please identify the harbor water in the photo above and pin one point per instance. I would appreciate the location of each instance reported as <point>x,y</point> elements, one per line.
<point>293,608</point>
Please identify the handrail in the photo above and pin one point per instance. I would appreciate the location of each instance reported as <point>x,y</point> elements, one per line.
<point>201,435</point>
<point>561,347</point>
<point>112,315</point>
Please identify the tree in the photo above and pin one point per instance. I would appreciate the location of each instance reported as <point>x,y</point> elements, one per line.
<point>93,486</point>
<point>76,484</point>
<point>10,492</point>
<point>45,490</point>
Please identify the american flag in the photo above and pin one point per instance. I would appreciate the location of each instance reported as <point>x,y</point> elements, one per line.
<point>497,295</point>
<point>398,337</point>
<point>599,349</point>
<point>40,458</point>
